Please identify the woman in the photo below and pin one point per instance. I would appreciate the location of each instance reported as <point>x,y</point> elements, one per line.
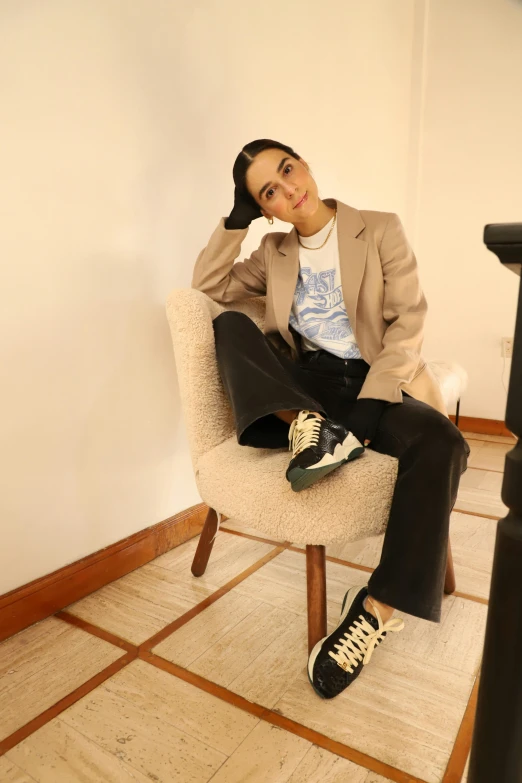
<point>338,369</point>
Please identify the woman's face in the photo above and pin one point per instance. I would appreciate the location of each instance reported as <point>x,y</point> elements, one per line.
<point>277,181</point>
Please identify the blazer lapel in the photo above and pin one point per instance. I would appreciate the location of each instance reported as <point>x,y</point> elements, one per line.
<point>352,259</point>
<point>284,274</point>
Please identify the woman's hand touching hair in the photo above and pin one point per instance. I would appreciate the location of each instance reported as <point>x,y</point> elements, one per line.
<point>244,211</point>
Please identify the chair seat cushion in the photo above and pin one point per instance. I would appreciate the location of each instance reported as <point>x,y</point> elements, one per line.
<point>249,485</point>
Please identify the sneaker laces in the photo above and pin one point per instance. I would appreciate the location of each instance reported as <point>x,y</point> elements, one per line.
<point>304,432</point>
<point>361,638</point>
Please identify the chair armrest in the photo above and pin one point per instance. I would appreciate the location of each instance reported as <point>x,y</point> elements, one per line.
<point>452,379</point>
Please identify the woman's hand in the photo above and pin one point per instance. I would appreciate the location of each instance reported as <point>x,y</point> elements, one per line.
<point>364,419</point>
<point>243,212</point>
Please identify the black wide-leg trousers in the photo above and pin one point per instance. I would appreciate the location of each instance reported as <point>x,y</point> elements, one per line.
<point>432,454</point>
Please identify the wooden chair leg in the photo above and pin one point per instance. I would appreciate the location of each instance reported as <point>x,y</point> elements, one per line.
<point>205,544</point>
<point>316,592</point>
<point>450,585</point>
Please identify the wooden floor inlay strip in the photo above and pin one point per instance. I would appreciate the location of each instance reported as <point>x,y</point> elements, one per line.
<point>71,698</point>
<point>357,757</point>
<point>252,537</point>
<point>358,566</point>
<point>476,598</point>
<point>486,470</point>
<point>95,630</point>
<point>477,514</point>
<point>462,746</point>
<point>185,618</point>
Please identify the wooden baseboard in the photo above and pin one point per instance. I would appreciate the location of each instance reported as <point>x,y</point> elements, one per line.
<point>43,597</point>
<point>482,426</point>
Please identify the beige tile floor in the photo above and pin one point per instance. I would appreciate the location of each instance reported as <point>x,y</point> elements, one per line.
<point>44,663</point>
<point>146,600</point>
<point>480,485</point>
<point>418,688</point>
<point>398,721</point>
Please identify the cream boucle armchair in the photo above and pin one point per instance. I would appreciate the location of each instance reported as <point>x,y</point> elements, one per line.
<point>249,485</point>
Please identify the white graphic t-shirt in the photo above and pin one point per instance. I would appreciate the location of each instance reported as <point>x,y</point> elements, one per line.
<point>318,311</point>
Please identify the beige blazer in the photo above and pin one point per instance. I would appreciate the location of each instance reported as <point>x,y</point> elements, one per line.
<point>381,289</point>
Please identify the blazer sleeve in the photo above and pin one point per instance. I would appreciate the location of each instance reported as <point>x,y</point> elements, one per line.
<point>216,274</point>
<point>404,310</point>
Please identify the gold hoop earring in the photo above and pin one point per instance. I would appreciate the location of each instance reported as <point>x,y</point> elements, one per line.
<point>270,221</point>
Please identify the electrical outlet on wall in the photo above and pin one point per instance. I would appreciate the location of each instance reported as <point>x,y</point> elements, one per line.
<point>507,348</point>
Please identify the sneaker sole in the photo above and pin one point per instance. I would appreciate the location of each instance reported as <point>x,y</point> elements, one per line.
<point>348,600</point>
<point>301,478</point>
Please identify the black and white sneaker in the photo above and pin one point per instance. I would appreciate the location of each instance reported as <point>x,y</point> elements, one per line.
<point>337,660</point>
<point>319,446</point>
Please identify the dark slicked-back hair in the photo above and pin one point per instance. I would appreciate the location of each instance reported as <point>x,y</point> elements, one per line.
<point>245,158</point>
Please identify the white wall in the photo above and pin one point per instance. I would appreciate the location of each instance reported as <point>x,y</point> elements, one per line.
<point>120,123</point>
<point>469,174</point>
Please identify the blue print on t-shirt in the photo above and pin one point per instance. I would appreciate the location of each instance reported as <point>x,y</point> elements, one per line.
<point>319,313</point>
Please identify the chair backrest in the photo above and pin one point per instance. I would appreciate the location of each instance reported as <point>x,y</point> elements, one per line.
<point>206,409</point>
